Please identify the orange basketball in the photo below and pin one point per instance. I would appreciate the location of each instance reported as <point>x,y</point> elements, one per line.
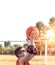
<point>30,29</point>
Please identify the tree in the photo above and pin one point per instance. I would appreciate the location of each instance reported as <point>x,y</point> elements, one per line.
<point>9,50</point>
<point>7,43</point>
<point>16,46</point>
<point>42,31</point>
<point>39,25</point>
<point>0,48</point>
<point>52,22</point>
<point>25,45</point>
<point>0,45</point>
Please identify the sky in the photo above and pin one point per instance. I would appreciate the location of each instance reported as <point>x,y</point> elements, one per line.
<point>17,15</point>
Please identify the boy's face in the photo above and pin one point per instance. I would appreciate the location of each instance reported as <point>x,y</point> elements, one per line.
<point>21,53</point>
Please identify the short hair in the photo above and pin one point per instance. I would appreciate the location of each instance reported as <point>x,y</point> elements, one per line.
<point>17,50</point>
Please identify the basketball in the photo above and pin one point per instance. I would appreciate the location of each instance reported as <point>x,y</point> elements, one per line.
<point>30,29</point>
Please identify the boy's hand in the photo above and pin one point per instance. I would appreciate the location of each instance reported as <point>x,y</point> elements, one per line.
<point>31,37</point>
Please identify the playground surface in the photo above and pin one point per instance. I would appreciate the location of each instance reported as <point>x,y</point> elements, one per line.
<point>37,60</point>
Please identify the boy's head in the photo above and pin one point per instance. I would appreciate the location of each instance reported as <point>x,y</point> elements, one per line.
<point>19,52</point>
<point>30,30</point>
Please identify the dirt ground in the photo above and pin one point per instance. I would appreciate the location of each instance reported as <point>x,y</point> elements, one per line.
<point>37,60</point>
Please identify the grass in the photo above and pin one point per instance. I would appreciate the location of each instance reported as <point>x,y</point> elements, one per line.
<point>37,60</point>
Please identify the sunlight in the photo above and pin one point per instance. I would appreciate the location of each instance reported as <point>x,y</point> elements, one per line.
<point>49,34</point>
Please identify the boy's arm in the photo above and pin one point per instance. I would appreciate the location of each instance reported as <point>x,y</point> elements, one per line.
<point>31,51</point>
<point>26,58</point>
<point>31,38</point>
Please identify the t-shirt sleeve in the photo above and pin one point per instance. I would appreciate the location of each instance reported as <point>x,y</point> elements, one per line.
<point>32,50</point>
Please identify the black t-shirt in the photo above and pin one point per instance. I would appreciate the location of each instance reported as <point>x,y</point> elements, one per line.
<point>32,50</point>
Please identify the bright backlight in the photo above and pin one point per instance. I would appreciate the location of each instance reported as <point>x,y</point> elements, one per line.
<point>49,33</point>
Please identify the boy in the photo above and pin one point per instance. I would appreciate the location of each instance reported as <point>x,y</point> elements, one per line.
<point>25,55</point>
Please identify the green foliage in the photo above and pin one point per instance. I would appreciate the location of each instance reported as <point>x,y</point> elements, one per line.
<point>16,46</point>
<point>0,50</point>
<point>0,45</point>
<point>39,24</point>
<point>7,43</point>
<point>52,22</point>
<point>8,50</point>
<point>25,45</point>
